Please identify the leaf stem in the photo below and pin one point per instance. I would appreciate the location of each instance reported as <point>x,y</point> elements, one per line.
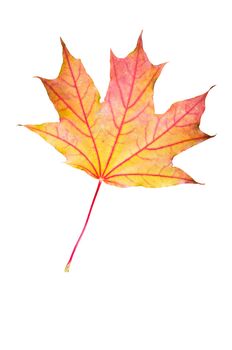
<point>67,267</point>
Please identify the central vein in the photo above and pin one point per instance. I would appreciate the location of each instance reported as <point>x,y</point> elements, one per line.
<point>125,111</point>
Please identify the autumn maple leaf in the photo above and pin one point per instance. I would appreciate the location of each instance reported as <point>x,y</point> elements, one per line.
<point>121,141</point>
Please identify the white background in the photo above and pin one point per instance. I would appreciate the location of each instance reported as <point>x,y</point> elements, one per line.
<point>153,271</point>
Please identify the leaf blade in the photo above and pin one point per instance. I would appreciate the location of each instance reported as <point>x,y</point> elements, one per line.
<point>121,139</point>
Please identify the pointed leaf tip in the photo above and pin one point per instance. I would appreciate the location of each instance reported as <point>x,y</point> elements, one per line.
<point>210,89</point>
<point>40,78</point>
<point>62,42</point>
<point>199,183</point>
<point>140,39</point>
<point>112,55</point>
<point>64,47</point>
<point>211,136</point>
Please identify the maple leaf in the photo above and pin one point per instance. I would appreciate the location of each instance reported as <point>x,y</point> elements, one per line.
<point>121,141</point>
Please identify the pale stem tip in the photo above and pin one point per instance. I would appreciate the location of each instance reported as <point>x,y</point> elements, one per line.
<point>67,268</point>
